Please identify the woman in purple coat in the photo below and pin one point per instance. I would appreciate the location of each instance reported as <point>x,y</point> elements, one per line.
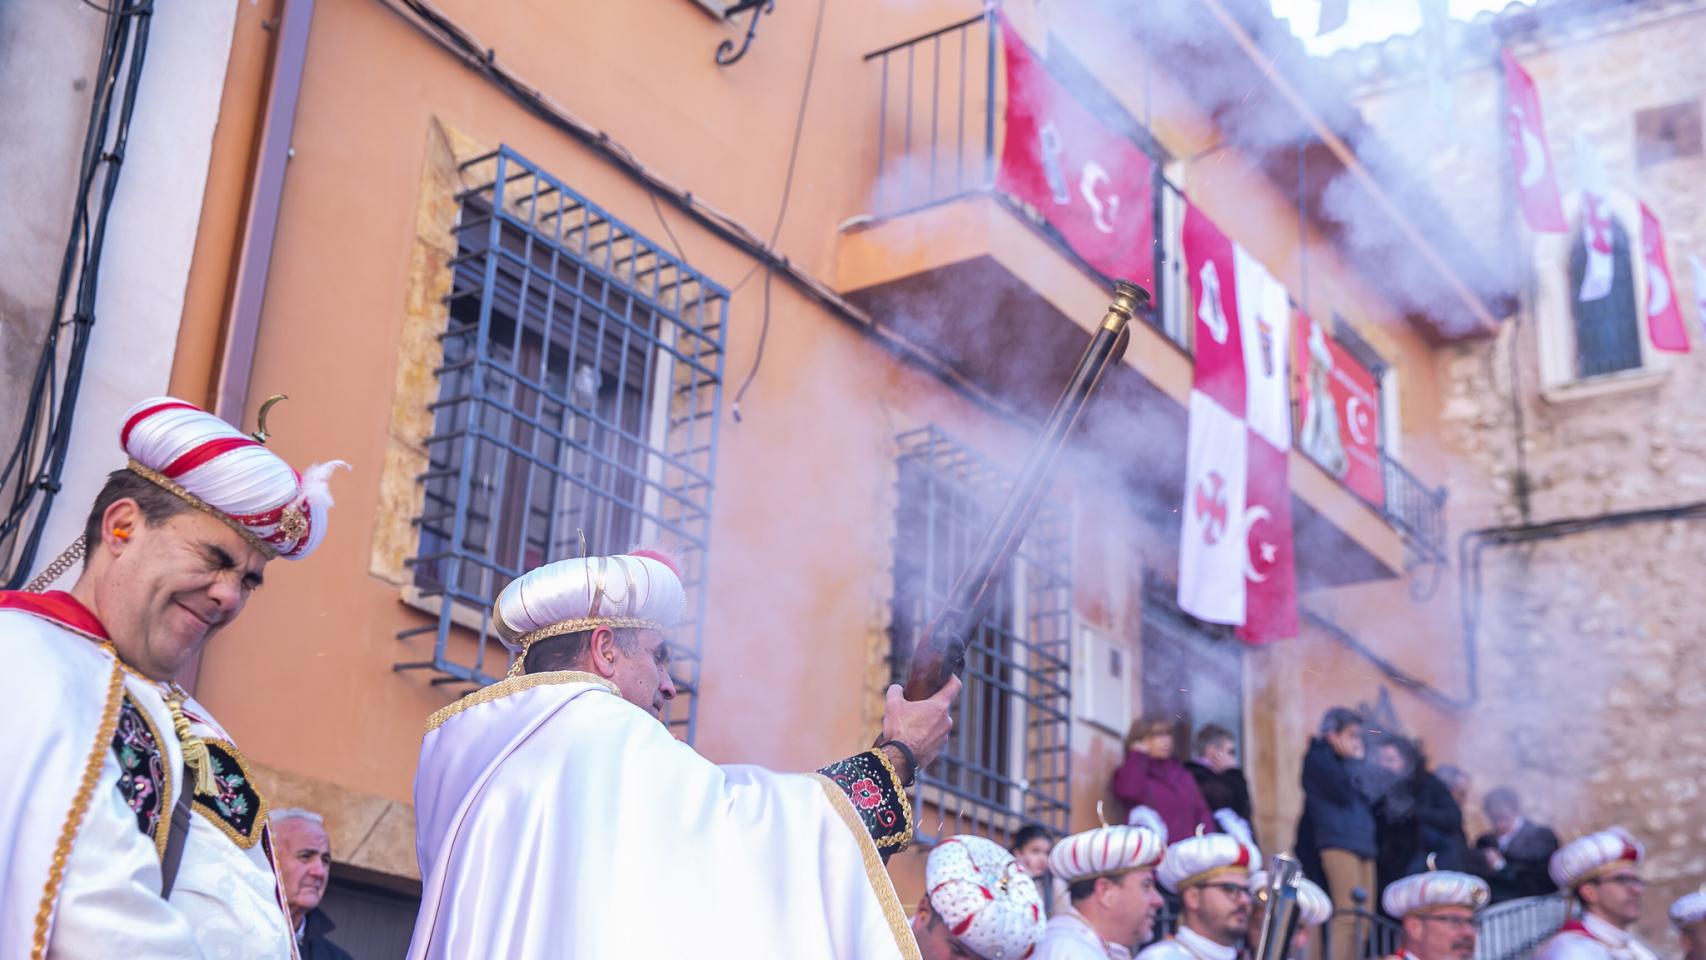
<point>1152,776</point>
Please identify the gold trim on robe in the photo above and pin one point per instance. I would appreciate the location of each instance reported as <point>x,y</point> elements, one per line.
<point>504,688</point>
<point>875,872</point>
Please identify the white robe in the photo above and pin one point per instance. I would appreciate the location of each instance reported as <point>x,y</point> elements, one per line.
<point>1602,942</point>
<point>1069,937</point>
<point>1187,944</point>
<point>557,820</point>
<point>106,901</point>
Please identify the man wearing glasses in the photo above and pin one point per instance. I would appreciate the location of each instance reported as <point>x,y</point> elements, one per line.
<point>1601,873</point>
<point>1437,910</point>
<point>1211,875</point>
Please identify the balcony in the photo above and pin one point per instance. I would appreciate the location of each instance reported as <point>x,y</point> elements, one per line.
<point>967,272</point>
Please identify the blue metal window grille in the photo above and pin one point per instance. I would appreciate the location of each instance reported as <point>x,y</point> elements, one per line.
<point>578,403</point>
<point>1008,761</point>
<point>1607,331</point>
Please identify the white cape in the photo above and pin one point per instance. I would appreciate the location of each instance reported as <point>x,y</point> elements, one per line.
<point>556,820</point>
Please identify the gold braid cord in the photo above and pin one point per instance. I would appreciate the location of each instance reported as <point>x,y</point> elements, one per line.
<point>57,568</point>
<point>79,806</point>
<point>168,484</point>
<point>196,756</point>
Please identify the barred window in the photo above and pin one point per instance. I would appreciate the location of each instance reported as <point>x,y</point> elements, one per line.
<point>1008,761</point>
<point>576,412</point>
<point>1607,328</point>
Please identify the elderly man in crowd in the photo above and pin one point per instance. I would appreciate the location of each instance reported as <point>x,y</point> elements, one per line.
<point>1517,851</point>
<point>1688,915</point>
<point>978,903</point>
<point>1211,875</point>
<point>1437,910</point>
<point>304,853</point>
<point>1602,873</point>
<point>1109,874</point>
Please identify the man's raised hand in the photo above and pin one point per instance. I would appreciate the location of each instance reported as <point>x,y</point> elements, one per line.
<point>922,725</point>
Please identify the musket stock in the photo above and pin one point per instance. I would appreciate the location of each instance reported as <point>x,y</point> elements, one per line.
<point>941,651</point>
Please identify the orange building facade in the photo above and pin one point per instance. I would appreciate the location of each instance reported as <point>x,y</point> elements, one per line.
<point>546,273</point>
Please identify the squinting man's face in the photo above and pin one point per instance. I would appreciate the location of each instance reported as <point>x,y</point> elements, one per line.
<point>1221,908</point>
<point>1617,896</point>
<point>1448,933</point>
<point>1033,856</point>
<point>1135,902</point>
<point>304,862</point>
<point>172,586</point>
<point>643,676</point>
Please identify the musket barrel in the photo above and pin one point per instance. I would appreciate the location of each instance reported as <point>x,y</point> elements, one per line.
<point>940,652</point>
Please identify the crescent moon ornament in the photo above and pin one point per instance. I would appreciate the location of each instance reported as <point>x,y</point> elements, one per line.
<point>1353,420</point>
<point>1658,290</point>
<point>261,433</point>
<point>1253,516</point>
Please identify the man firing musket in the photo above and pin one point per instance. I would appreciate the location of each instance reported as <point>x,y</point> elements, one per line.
<point>556,817</point>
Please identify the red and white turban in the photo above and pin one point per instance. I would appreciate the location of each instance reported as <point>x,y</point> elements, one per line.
<point>1314,907</point>
<point>640,590</point>
<point>216,468</point>
<point>1105,852</point>
<point>1200,859</point>
<point>1424,892</point>
<point>1689,909</point>
<point>1582,860</point>
<point>991,906</point>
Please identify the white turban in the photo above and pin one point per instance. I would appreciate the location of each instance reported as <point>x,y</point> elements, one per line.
<point>1104,852</point>
<point>1149,819</point>
<point>1314,907</point>
<point>1422,892</point>
<point>216,468</point>
<point>1689,909</point>
<point>638,590</point>
<point>990,905</point>
<point>1197,859</point>
<point>1582,860</point>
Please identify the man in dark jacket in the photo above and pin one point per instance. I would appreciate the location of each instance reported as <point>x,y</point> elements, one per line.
<point>304,853</point>
<point>1222,783</point>
<point>1335,837</point>
<point>1515,853</point>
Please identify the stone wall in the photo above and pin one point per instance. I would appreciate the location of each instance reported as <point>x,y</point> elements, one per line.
<point>1591,651</point>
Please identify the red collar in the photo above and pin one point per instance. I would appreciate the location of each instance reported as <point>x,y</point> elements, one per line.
<point>1575,925</point>
<point>56,606</point>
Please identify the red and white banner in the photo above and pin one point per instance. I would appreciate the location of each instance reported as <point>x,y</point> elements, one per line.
<point>1599,265</point>
<point>1664,314</point>
<point>1531,159</point>
<point>1235,550</point>
<point>1065,166</point>
<point>1340,403</point>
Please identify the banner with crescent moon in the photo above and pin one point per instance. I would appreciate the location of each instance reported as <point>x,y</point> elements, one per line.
<point>1531,159</point>
<point>1069,170</point>
<point>1664,314</point>
<point>1339,407</point>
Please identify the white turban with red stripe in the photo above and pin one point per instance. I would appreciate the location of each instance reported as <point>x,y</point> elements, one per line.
<point>215,467</point>
<point>639,590</point>
<point>991,906</point>
<point>1201,858</point>
<point>1582,860</point>
<point>1689,909</point>
<point>1314,907</point>
<point>1422,892</point>
<point>1104,852</point>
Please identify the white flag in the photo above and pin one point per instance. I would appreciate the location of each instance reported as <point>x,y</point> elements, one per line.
<point>1264,322</point>
<point>1212,548</point>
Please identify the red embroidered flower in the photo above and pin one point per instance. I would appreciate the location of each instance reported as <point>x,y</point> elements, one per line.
<point>866,794</point>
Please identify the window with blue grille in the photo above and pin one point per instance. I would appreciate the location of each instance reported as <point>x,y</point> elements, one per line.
<point>1607,329</point>
<point>576,413</point>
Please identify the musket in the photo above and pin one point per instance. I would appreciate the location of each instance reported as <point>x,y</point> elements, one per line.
<point>941,651</point>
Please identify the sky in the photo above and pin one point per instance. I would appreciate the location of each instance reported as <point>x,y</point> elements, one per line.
<point>1370,20</point>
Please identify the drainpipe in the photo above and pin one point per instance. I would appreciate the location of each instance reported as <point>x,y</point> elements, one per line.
<point>237,358</point>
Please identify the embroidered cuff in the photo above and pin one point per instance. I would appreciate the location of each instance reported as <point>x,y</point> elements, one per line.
<point>870,781</point>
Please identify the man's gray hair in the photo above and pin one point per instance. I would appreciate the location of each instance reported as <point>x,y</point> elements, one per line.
<point>297,813</point>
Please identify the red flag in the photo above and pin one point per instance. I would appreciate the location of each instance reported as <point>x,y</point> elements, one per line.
<point>1210,270</point>
<point>1340,400</point>
<point>1531,159</point>
<point>1664,314</point>
<point>1070,169</point>
<point>1270,571</point>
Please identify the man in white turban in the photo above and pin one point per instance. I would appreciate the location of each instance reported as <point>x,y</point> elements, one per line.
<point>1688,915</point>
<point>978,902</point>
<point>130,824</point>
<point>1314,909</point>
<point>1211,875</point>
<point>1601,871</point>
<point>557,817</point>
<point>1437,910</point>
<point>1109,874</point>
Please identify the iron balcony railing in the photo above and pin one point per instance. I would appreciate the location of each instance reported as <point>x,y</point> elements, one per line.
<point>1414,509</point>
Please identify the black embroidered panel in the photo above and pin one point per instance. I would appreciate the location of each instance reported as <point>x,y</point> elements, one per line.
<point>877,797</point>
<point>236,806</point>
<point>142,779</point>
